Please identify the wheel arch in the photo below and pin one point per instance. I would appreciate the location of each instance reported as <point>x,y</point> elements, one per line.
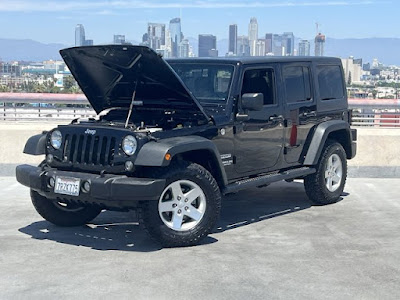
<point>337,130</point>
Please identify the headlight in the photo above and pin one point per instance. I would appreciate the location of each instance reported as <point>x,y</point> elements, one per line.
<point>56,139</point>
<point>129,145</point>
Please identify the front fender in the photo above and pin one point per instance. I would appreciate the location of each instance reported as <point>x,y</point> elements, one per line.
<point>36,145</point>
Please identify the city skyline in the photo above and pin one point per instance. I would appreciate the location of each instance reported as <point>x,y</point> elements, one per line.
<point>51,23</point>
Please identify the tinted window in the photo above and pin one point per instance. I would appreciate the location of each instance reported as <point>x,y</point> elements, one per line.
<point>330,82</point>
<point>260,81</point>
<point>297,84</point>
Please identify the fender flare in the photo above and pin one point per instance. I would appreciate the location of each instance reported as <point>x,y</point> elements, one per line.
<point>36,145</point>
<point>152,154</point>
<point>320,136</point>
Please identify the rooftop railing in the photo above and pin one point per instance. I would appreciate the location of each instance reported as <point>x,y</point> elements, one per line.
<point>64,107</point>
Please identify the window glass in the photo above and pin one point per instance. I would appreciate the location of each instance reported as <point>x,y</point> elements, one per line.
<point>330,82</point>
<point>297,84</point>
<point>260,81</point>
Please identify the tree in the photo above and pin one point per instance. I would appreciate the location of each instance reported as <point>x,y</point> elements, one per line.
<point>69,82</point>
<point>374,93</point>
<point>349,79</point>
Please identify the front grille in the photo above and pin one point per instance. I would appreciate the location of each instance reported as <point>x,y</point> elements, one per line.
<point>89,149</point>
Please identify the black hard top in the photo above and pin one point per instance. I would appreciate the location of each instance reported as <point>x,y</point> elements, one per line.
<point>246,60</point>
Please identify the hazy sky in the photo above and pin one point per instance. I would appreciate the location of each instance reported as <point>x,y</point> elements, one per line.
<point>54,21</point>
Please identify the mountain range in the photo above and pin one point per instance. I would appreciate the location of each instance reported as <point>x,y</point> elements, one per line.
<point>386,50</point>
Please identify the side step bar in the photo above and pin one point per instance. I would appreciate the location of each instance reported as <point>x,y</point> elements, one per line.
<point>267,179</point>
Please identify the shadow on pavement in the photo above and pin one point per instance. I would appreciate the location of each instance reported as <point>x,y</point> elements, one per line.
<point>120,231</point>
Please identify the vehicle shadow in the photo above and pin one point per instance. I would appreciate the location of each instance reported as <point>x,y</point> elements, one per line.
<point>121,231</point>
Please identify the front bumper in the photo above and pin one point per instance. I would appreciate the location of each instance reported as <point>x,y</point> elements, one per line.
<point>109,190</point>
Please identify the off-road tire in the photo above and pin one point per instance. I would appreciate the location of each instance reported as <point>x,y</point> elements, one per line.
<point>53,212</point>
<point>149,216</point>
<point>315,184</point>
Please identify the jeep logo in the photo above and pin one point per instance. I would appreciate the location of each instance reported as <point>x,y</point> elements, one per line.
<point>90,131</point>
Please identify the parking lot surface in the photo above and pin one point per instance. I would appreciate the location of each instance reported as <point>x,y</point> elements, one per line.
<point>269,244</point>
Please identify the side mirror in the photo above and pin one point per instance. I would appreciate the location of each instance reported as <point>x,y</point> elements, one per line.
<point>253,101</point>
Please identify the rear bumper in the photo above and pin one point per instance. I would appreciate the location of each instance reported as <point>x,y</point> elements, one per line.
<point>113,191</point>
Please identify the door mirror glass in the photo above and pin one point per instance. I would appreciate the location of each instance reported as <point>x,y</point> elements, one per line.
<point>252,101</point>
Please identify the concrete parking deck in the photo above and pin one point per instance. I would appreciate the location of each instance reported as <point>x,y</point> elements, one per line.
<point>269,244</point>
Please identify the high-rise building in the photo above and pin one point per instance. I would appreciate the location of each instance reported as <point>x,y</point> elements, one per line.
<point>176,35</point>
<point>207,45</point>
<point>288,43</point>
<point>88,43</point>
<point>233,39</point>
<point>183,48</point>
<point>277,48</point>
<point>260,48</point>
<point>119,39</point>
<point>79,35</point>
<point>304,48</point>
<point>243,46</point>
<point>156,35</point>
<point>253,35</point>
<point>268,42</point>
<point>319,44</point>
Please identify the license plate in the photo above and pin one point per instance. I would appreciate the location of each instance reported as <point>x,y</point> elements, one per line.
<point>67,186</point>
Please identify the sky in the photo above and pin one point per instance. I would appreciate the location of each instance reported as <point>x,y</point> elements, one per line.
<point>54,21</point>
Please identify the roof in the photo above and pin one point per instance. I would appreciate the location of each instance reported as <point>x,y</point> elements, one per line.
<point>256,59</point>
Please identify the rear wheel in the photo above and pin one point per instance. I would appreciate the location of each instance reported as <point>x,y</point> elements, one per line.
<point>187,209</point>
<point>63,214</point>
<point>327,184</point>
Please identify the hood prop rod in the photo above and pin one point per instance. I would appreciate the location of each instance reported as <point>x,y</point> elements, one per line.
<point>134,91</point>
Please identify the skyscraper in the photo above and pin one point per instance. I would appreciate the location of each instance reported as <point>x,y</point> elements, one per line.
<point>176,35</point>
<point>232,39</point>
<point>119,39</point>
<point>260,48</point>
<point>79,35</point>
<point>253,35</point>
<point>243,47</point>
<point>304,48</point>
<point>156,35</point>
<point>207,45</point>
<point>268,42</point>
<point>183,48</point>
<point>288,43</point>
<point>319,44</point>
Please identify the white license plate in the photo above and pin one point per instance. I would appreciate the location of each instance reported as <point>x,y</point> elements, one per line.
<point>67,186</point>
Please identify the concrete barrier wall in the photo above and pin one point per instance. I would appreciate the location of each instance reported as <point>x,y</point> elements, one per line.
<point>378,153</point>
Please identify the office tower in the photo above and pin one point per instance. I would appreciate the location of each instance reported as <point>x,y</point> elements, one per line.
<point>260,48</point>
<point>268,42</point>
<point>156,35</point>
<point>243,46</point>
<point>79,35</point>
<point>288,43</point>
<point>233,39</point>
<point>304,48</point>
<point>277,48</point>
<point>207,45</point>
<point>176,35</point>
<point>319,44</point>
<point>183,48</point>
<point>119,39</point>
<point>253,35</point>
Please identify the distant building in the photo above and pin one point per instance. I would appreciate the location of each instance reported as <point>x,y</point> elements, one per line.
<point>233,39</point>
<point>119,39</point>
<point>352,69</point>
<point>176,35</point>
<point>277,48</point>
<point>88,43</point>
<point>260,48</point>
<point>253,35</point>
<point>288,43</point>
<point>207,45</point>
<point>319,44</point>
<point>155,35</point>
<point>10,69</point>
<point>79,35</point>
<point>304,48</point>
<point>268,42</point>
<point>243,46</point>
<point>184,48</point>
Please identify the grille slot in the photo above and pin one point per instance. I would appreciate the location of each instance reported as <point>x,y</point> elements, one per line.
<point>88,149</point>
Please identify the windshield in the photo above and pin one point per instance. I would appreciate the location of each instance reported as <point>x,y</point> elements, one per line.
<point>209,83</point>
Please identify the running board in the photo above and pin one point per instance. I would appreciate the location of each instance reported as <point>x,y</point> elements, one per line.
<point>267,179</point>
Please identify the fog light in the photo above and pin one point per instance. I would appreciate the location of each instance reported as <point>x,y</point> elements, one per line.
<point>129,165</point>
<point>86,187</point>
<point>52,182</point>
<point>49,158</point>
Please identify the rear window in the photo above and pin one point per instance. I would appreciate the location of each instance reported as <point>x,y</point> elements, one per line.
<point>330,82</point>
<point>297,84</point>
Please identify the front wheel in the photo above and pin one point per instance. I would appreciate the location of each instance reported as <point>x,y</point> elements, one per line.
<point>327,184</point>
<point>187,209</point>
<point>63,214</point>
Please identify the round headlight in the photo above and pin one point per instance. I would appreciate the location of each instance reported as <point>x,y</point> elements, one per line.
<point>56,139</point>
<point>129,145</point>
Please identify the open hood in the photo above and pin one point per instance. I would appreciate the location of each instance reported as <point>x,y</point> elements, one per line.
<point>109,75</point>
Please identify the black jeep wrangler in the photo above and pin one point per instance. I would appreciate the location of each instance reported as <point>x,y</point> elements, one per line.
<point>171,137</point>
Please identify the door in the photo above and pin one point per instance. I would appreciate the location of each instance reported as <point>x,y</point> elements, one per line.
<point>259,139</point>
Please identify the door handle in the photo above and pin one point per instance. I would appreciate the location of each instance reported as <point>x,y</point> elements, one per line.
<point>310,114</point>
<point>276,118</point>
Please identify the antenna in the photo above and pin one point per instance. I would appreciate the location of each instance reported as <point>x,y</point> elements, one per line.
<point>317,27</point>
